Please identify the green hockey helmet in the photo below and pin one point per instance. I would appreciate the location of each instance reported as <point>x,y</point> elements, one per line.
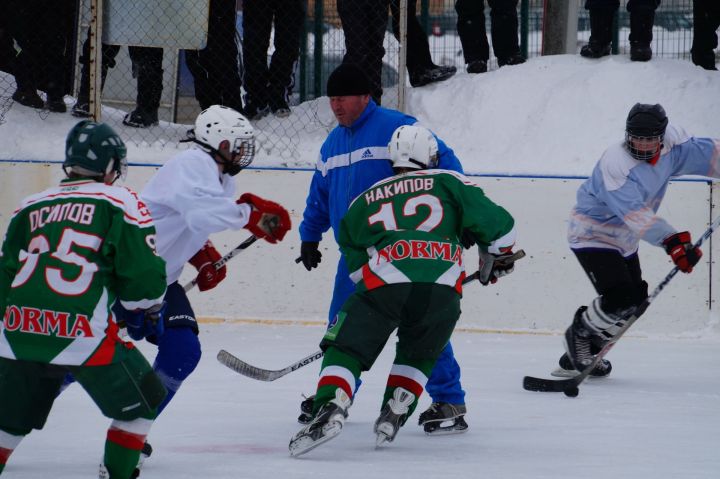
<point>94,150</point>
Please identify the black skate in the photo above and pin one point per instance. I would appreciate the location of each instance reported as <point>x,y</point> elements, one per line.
<point>146,452</point>
<point>327,424</point>
<point>443,418</point>
<point>393,416</point>
<point>306,407</point>
<point>567,370</point>
<point>581,345</point>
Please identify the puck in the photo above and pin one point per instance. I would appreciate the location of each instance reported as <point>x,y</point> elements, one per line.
<point>571,392</point>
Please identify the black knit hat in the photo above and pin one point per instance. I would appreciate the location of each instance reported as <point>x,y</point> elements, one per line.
<point>348,80</point>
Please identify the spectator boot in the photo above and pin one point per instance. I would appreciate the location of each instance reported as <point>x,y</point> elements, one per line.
<point>601,20</point>
<point>149,84</point>
<point>641,24</point>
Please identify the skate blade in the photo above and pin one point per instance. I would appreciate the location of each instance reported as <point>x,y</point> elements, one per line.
<point>384,432</point>
<point>305,443</point>
<point>564,373</point>
<point>445,431</point>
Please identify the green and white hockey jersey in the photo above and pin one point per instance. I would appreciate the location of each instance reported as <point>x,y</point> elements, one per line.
<point>68,254</point>
<point>406,229</point>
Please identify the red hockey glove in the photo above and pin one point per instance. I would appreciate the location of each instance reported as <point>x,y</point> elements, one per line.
<point>204,261</point>
<point>680,248</point>
<point>268,220</point>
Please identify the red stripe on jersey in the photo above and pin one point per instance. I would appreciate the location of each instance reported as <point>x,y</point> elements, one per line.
<point>106,351</point>
<point>336,381</point>
<point>126,439</point>
<point>5,454</point>
<point>459,283</point>
<point>370,279</point>
<point>395,381</point>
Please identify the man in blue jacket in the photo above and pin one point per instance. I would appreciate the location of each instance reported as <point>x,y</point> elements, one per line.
<point>354,157</point>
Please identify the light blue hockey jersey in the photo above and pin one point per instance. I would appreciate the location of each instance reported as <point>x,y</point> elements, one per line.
<point>616,207</point>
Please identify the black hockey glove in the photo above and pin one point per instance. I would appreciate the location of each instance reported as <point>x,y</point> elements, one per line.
<point>467,239</point>
<point>310,255</point>
<point>495,266</point>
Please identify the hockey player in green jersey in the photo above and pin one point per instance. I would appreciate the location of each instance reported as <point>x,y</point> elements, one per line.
<point>401,238</point>
<point>69,253</point>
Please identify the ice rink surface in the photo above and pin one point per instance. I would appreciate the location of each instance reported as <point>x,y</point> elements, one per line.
<point>655,417</point>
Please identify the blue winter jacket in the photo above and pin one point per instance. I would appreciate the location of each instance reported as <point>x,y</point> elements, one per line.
<point>351,160</point>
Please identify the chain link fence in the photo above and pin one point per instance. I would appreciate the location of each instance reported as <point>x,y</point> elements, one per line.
<point>164,60</point>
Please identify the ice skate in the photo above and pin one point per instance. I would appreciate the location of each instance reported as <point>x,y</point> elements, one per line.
<point>393,416</point>
<point>327,424</point>
<point>567,370</point>
<point>146,452</point>
<point>443,418</point>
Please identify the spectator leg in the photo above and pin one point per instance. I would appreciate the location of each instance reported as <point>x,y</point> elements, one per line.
<point>471,30</point>
<point>364,23</point>
<point>504,28</point>
<point>289,17</point>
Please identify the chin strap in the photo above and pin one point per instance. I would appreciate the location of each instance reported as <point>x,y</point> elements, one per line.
<point>228,166</point>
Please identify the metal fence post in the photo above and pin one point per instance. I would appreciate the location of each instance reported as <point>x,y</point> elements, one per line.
<point>318,48</point>
<point>402,60</point>
<point>95,66</point>
<point>524,26</point>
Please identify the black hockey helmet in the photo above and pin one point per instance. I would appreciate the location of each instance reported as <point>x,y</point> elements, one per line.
<point>645,122</point>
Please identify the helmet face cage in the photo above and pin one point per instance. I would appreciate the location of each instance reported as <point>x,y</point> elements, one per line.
<point>244,150</point>
<point>645,131</point>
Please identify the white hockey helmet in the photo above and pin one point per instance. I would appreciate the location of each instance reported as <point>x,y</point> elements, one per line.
<point>414,147</point>
<point>219,123</point>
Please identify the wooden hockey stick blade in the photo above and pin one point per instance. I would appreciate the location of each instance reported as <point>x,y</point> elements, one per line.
<point>241,367</point>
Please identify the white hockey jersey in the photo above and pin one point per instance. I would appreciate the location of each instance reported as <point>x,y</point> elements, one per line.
<point>189,199</point>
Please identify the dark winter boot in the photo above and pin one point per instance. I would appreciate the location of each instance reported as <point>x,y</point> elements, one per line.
<point>431,75</point>
<point>141,118</point>
<point>641,24</point>
<point>477,66</point>
<point>28,98</point>
<point>601,20</point>
<point>514,59</point>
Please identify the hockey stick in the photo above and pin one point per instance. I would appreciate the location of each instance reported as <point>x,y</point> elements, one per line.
<point>221,262</point>
<point>240,366</point>
<point>570,386</point>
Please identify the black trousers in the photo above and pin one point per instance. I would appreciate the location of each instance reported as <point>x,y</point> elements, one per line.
<point>263,83</point>
<point>215,68</point>
<point>472,32</point>
<point>146,65</point>
<point>706,21</point>
<point>418,50</point>
<point>44,42</point>
<point>616,278</point>
<point>364,23</point>
<point>615,4</point>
